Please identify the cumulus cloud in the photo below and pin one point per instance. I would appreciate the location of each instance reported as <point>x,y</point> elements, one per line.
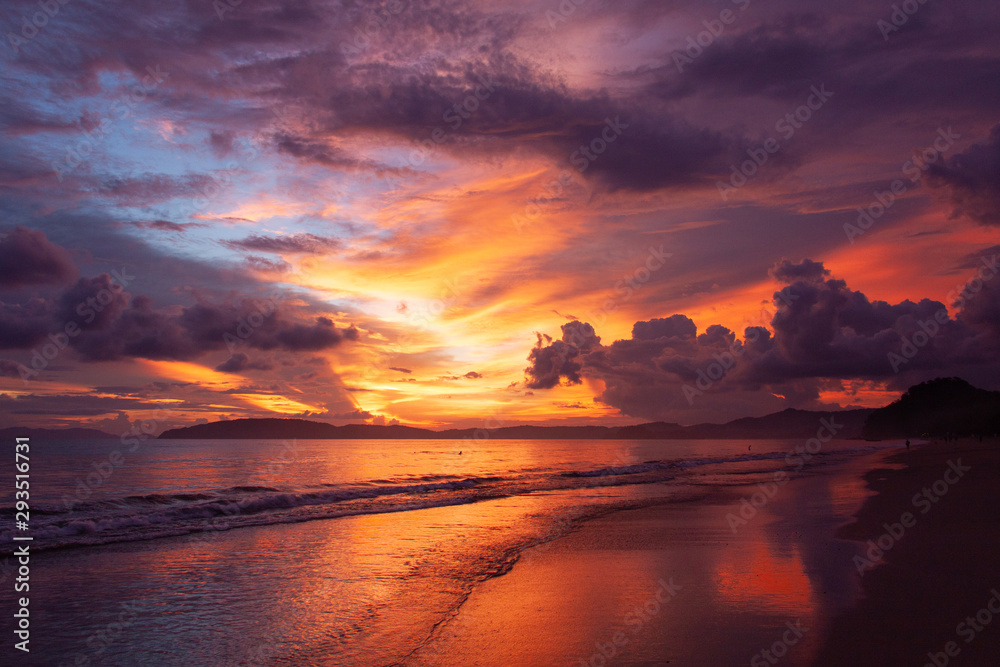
<point>27,257</point>
<point>552,361</point>
<point>821,333</point>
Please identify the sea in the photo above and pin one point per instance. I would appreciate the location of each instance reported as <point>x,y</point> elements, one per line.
<point>320,552</point>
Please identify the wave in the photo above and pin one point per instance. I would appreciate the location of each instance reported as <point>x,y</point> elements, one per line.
<point>149,516</point>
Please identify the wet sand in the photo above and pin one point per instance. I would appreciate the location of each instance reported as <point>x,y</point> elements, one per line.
<point>942,570</point>
<point>675,584</point>
<point>672,584</point>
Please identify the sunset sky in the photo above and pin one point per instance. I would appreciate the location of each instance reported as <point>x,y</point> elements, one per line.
<point>457,213</point>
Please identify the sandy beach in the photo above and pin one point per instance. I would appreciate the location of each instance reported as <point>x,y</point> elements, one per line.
<point>924,602</point>
<point>678,584</point>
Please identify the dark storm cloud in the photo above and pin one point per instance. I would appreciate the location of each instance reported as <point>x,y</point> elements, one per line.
<point>96,302</point>
<point>787,271</point>
<point>974,179</point>
<point>27,257</point>
<point>297,243</point>
<point>262,325</point>
<point>110,323</point>
<point>822,331</point>
<point>551,361</point>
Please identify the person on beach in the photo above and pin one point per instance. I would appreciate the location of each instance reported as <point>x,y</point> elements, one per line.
<point>907,444</point>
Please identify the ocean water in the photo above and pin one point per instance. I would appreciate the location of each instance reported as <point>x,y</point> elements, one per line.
<point>268,552</point>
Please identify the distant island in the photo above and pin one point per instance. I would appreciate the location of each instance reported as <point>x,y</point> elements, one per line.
<point>790,423</point>
<point>944,406</point>
<point>940,407</point>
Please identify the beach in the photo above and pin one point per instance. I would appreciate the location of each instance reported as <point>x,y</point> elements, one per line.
<point>677,585</point>
<point>378,553</point>
<point>939,574</point>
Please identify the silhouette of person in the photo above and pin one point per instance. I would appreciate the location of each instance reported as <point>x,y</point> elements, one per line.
<point>907,444</point>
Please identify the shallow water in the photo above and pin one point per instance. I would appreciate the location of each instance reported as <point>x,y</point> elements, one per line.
<point>321,552</point>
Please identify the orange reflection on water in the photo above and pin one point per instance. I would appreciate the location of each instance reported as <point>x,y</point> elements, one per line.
<point>754,576</point>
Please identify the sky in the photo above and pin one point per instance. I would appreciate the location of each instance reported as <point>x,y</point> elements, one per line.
<point>455,213</point>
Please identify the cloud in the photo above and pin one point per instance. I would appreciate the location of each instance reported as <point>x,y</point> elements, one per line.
<point>114,324</point>
<point>221,142</point>
<point>266,264</point>
<point>400,370</point>
<point>974,179</point>
<point>471,375</point>
<point>27,257</point>
<point>22,326</point>
<point>786,271</point>
<point>551,361</point>
<point>822,334</point>
<point>363,415</point>
<point>295,244</point>
<point>168,226</point>
<point>240,362</point>
<point>12,369</point>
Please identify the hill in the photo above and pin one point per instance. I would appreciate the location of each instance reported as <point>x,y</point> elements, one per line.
<point>935,408</point>
<point>786,424</point>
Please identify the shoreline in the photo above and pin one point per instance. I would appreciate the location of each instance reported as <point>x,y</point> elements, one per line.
<point>640,586</point>
<point>668,583</point>
<point>938,563</point>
